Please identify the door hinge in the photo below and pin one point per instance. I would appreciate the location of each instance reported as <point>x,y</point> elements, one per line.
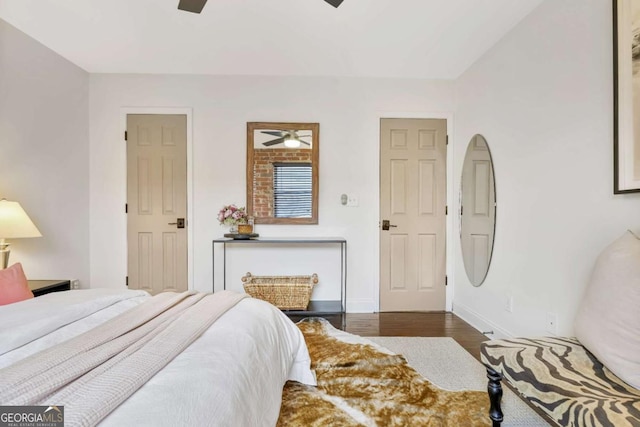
<point>125,135</point>
<point>127,281</point>
<point>446,280</point>
<point>461,210</point>
<point>126,208</point>
<point>446,210</point>
<point>447,139</point>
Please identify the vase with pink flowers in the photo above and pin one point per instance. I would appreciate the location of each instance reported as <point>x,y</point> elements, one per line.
<point>233,216</point>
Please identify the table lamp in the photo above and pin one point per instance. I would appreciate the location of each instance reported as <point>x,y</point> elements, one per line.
<point>14,224</point>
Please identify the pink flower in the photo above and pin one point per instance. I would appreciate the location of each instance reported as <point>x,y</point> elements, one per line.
<point>231,214</point>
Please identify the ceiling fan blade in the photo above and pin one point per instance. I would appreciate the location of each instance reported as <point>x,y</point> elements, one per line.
<point>334,3</point>
<point>194,6</point>
<point>272,132</point>
<point>274,142</point>
<point>305,143</point>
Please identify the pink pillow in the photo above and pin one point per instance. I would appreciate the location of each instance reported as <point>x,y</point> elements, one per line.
<point>13,285</point>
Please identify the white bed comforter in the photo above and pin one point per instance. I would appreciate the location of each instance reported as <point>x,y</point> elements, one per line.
<point>231,376</point>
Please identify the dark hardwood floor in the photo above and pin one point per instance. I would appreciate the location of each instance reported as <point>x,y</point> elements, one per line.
<point>415,324</point>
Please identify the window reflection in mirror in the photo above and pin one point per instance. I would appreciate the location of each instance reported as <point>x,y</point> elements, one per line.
<point>292,190</point>
<point>282,172</point>
<point>477,210</point>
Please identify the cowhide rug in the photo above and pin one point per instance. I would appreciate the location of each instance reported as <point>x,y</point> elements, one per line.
<point>362,384</point>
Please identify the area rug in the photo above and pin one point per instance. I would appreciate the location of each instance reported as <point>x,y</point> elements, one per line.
<point>363,384</point>
<point>447,365</point>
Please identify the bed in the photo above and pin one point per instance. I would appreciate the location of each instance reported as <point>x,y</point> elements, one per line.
<point>231,375</point>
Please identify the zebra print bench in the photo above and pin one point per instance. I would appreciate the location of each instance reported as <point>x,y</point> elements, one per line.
<point>562,379</point>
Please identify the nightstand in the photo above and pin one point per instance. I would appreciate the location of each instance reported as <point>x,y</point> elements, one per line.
<point>41,287</point>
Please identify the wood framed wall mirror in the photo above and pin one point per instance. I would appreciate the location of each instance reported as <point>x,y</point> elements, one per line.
<point>282,172</point>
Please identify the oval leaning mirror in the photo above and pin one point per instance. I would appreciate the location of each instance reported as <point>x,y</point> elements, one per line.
<point>477,210</point>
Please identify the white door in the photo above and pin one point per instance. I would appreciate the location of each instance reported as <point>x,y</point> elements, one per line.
<point>478,211</point>
<point>413,199</point>
<point>157,202</point>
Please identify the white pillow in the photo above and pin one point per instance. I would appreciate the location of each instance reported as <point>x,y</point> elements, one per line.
<point>608,320</point>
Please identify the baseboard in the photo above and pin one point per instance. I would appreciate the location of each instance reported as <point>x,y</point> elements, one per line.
<point>479,322</point>
<point>361,306</point>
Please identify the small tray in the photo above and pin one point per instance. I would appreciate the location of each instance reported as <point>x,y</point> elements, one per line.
<point>238,236</point>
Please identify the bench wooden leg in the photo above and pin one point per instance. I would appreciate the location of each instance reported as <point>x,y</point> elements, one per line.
<point>494,389</point>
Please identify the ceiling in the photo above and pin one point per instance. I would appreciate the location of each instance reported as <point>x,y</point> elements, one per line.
<point>433,39</point>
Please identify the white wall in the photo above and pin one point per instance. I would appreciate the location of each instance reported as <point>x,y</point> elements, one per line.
<point>44,152</point>
<point>543,99</point>
<point>348,111</point>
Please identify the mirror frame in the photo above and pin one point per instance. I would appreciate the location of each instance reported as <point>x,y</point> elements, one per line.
<point>315,162</point>
<point>462,205</point>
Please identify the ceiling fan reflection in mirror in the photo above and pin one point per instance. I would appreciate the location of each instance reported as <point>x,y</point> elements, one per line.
<point>196,6</point>
<point>290,138</point>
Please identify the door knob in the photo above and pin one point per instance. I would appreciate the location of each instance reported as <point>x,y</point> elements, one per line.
<point>386,224</point>
<point>179,223</point>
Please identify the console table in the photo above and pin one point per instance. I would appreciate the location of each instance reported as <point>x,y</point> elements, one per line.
<point>316,308</point>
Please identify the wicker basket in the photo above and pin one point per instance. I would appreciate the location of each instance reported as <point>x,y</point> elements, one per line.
<point>285,292</point>
<point>245,228</point>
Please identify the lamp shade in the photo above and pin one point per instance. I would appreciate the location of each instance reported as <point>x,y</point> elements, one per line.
<point>14,222</point>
